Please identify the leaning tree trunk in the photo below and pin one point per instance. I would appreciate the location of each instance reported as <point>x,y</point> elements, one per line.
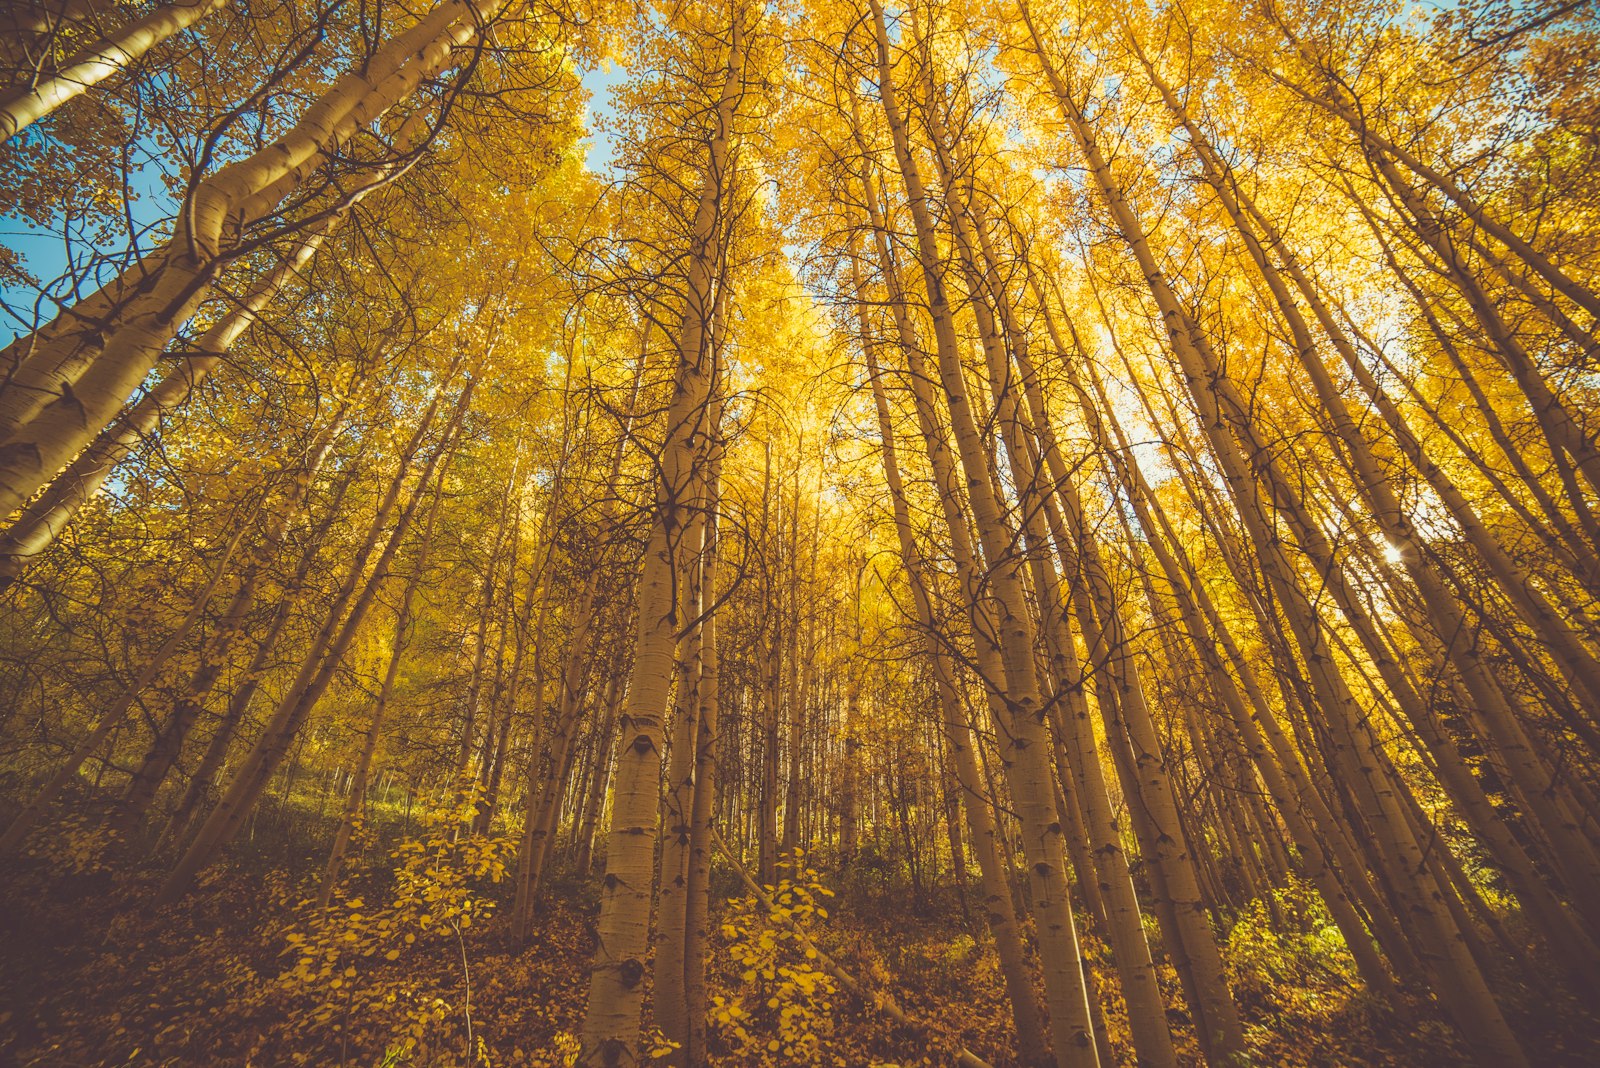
<point>358,782</point>
<point>67,380</point>
<point>320,665</point>
<point>168,744</point>
<point>24,106</point>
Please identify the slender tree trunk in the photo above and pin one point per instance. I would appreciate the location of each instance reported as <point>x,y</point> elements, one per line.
<point>355,801</point>
<point>1456,975</point>
<point>168,743</point>
<point>605,757</point>
<point>318,668</point>
<point>996,888</point>
<point>697,889</point>
<point>1024,745</point>
<point>616,985</point>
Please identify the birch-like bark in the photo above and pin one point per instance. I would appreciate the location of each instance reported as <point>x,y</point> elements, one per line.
<point>1022,429</point>
<point>670,1005</point>
<point>702,827</point>
<point>996,887</point>
<point>599,787</point>
<point>66,381</point>
<point>616,985</point>
<point>36,529</point>
<point>1025,745</point>
<point>1456,975</point>
<point>23,106</point>
<point>200,791</point>
<point>356,800</point>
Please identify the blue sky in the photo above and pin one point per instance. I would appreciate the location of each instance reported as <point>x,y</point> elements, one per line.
<point>44,252</point>
<point>599,84</point>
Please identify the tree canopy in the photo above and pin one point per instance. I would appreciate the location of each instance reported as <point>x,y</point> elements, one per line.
<point>1012,532</point>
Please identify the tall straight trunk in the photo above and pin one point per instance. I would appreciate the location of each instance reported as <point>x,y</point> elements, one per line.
<point>1576,662</point>
<point>544,798</point>
<point>1311,826</point>
<point>772,695</point>
<point>201,783</point>
<point>802,675</point>
<point>1022,428</point>
<point>616,984</point>
<point>502,706</point>
<point>1446,614</point>
<point>988,830</point>
<point>1456,975</point>
<point>999,910</point>
<point>1025,745</point>
<point>793,696</point>
<point>850,773</point>
<point>670,1005</point>
<point>605,757</point>
<point>489,601</point>
<point>697,884</point>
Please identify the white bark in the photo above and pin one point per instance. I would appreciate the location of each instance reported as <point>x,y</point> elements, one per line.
<point>21,108</point>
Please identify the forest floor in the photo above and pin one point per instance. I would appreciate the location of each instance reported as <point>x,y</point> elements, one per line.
<point>244,972</point>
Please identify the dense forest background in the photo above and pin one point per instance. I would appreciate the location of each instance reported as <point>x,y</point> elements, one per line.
<point>1002,532</point>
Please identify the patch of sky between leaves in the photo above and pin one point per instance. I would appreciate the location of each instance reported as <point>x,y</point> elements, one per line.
<point>66,259</point>
<point>600,150</point>
<point>57,261</point>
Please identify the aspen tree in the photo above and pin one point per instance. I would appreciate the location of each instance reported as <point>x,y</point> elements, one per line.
<point>24,822</point>
<point>1026,746</point>
<point>43,520</point>
<point>672,904</point>
<point>318,668</point>
<point>708,718</point>
<point>1375,487</point>
<point>1301,807</point>
<point>403,619</point>
<point>70,377</point>
<point>998,908</point>
<point>997,892</point>
<point>201,783</point>
<point>1334,95</point>
<point>1455,974</point>
<point>23,106</point>
<point>612,1019</point>
<point>605,757</point>
<point>1372,482</point>
<point>772,696</point>
<point>168,743</point>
